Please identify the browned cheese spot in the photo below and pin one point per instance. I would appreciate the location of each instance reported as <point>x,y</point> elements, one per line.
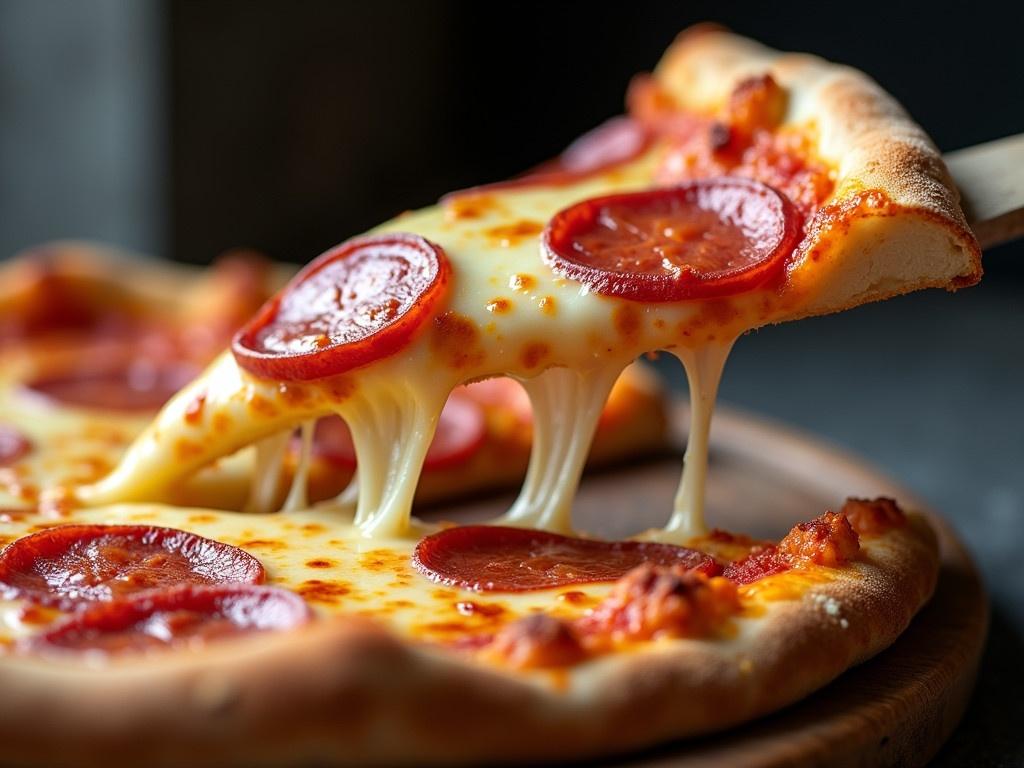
<point>294,394</point>
<point>320,563</point>
<point>261,406</point>
<point>548,306</point>
<point>499,306</point>
<point>469,206</point>
<point>194,410</point>
<point>534,354</point>
<point>318,591</point>
<point>201,518</point>
<point>628,322</point>
<point>338,389</point>
<point>187,449</point>
<point>456,341</point>
<point>522,282</point>
<point>512,234</point>
<point>271,544</point>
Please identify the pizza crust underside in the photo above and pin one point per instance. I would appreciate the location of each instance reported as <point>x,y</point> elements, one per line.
<point>346,692</point>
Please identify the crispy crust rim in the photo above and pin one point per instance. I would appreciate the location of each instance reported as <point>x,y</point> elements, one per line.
<point>913,236</point>
<point>346,692</point>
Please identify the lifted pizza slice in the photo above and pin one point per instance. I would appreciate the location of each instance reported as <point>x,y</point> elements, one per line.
<point>745,187</point>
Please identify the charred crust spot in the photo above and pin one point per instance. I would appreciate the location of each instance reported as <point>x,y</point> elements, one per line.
<point>873,517</point>
<point>456,341</point>
<point>827,540</point>
<point>534,354</point>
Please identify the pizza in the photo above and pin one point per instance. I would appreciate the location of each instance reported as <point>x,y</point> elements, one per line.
<point>95,343</point>
<point>152,614</point>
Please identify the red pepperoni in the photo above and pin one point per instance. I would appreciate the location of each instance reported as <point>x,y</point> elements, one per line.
<point>490,558</point>
<point>356,303</point>
<point>505,393</point>
<point>614,142</point>
<point>70,565</point>
<point>142,384</point>
<point>13,445</point>
<point>761,562</point>
<point>461,431</point>
<point>714,237</point>
<point>188,614</point>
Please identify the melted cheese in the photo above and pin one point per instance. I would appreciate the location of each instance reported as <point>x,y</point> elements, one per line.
<point>506,313</point>
<point>566,407</point>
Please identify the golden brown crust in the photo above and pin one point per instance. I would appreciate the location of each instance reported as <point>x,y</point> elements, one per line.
<point>909,233</point>
<point>345,692</point>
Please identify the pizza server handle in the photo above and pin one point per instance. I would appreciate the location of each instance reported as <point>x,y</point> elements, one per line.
<point>990,177</point>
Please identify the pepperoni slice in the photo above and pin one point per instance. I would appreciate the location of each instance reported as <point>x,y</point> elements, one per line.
<point>614,142</point>
<point>188,614</point>
<point>142,384</point>
<point>490,558</point>
<point>13,445</point>
<point>70,565</point>
<point>461,431</point>
<point>505,393</point>
<point>707,238</point>
<point>354,304</point>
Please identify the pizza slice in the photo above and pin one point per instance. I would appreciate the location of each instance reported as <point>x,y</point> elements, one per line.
<point>745,187</point>
<point>96,341</point>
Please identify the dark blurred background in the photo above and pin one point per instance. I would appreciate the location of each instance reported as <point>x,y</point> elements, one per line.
<point>186,128</point>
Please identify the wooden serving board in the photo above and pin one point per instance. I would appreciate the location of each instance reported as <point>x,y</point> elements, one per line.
<point>895,710</point>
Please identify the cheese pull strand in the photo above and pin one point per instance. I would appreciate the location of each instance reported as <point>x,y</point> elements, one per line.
<point>391,430</point>
<point>298,494</point>
<point>704,366</point>
<point>566,407</point>
<point>266,475</point>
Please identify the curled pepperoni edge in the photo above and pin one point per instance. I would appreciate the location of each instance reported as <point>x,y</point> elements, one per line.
<point>20,556</point>
<point>247,606</point>
<point>432,556</point>
<point>558,252</point>
<point>586,156</point>
<point>337,358</point>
